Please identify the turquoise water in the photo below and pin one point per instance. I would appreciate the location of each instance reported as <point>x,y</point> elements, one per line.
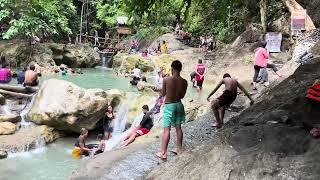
<point>92,78</point>
<point>53,162</point>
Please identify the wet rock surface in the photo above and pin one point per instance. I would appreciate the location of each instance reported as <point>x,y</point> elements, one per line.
<point>138,159</point>
<point>29,138</point>
<point>269,140</point>
<point>3,154</point>
<point>9,118</point>
<point>7,128</point>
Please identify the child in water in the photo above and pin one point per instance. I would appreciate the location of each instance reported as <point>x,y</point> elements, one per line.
<point>102,144</point>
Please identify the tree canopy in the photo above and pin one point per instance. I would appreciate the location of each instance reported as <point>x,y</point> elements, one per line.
<point>225,18</point>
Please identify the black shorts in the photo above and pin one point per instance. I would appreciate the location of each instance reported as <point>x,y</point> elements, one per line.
<point>227,98</point>
<point>199,84</point>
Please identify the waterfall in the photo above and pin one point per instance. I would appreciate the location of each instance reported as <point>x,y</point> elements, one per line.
<point>103,61</point>
<point>24,122</point>
<point>119,123</point>
<point>6,109</point>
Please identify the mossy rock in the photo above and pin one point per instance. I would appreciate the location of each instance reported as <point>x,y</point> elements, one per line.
<point>131,61</point>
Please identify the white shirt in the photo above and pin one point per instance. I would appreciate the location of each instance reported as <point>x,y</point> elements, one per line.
<point>137,72</point>
<point>159,81</point>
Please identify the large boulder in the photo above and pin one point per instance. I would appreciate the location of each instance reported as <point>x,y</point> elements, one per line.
<point>253,34</point>
<point>7,128</point>
<point>125,63</point>
<point>74,56</point>
<point>10,118</point>
<point>281,25</point>
<point>65,106</point>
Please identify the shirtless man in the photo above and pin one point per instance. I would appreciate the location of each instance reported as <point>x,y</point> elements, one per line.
<point>31,77</point>
<point>174,89</point>
<point>220,104</point>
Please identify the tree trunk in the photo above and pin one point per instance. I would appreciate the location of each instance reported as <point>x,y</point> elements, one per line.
<point>263,14</point>
<point>293,6</point>
<point>14,94</point>
<point>19,89</point>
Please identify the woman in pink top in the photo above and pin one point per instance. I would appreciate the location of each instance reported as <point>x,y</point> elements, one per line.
<point>5,75</point>
<point>261,57</point>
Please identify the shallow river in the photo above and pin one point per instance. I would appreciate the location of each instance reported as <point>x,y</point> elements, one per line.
<point>54,162</point>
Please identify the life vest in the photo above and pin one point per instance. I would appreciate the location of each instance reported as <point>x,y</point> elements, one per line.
<point>200,69</point>
<point>314,92</point>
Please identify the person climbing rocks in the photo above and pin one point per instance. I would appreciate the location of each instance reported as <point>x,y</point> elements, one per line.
<point>108,125</point>
<point>174,89</point>
<point>142,129</point>
<point>21,75</point>
<point>220,104</point>
<point>201,71</point>
<point>31,77</point>
<point>5,73</point>
<point>80,147</point>
<point>261,58</point>
<point>165,47</point>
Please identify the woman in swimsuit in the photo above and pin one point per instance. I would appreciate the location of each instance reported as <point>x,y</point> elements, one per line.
<point>108,123</point>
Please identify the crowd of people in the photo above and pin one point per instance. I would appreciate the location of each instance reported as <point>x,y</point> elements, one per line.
<point>207,43</point>
<point>173,90</point>
<point>27,76</point>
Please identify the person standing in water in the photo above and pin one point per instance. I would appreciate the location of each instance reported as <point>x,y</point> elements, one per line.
<point>201,71</point>
<point>174,89</point>
<point>230,93</point>
<point>109,122</point>
<point>31,77</point>
<point>80,145</point>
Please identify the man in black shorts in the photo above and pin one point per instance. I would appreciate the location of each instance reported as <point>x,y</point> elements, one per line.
<point>226,99</point>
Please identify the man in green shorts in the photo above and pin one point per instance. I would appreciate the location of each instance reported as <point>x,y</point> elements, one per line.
<point>174,89</point>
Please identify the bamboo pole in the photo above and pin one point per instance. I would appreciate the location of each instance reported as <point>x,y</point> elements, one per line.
<point>15,94</point>
<point>19,89</point>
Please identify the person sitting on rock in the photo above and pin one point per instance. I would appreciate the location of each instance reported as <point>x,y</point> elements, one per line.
<point>80,145</point>
<point>5,74</point>
<point>142,129</point>
<point>220,104</point>
<point>31,77</point>
<point>21,75</point>
<point>137,72</point>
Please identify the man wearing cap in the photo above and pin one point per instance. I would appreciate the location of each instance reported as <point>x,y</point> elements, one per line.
<point>143,128</point>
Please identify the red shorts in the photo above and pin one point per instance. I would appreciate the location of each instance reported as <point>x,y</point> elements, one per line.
<point>142,131</point>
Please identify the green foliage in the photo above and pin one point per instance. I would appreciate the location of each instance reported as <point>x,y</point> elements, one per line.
<point>108,11</point>
<point>36,17</point>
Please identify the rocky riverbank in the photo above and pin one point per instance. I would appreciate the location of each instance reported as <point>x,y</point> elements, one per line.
<point>49,55</point>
